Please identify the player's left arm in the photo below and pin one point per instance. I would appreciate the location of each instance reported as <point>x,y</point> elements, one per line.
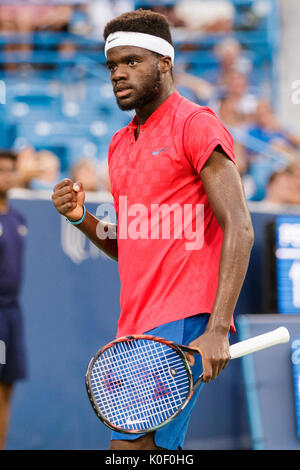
<point>226,196</point>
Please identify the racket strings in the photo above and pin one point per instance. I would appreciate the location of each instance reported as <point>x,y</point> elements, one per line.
<point>139,384</point>
<point>140,400</point>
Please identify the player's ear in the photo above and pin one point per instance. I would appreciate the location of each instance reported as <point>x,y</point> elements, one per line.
<point>165,64</point>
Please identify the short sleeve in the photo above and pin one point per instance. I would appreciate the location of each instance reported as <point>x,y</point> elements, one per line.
<point>203,132</point>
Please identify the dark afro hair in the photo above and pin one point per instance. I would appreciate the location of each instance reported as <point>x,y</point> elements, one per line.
<point>140,21</point>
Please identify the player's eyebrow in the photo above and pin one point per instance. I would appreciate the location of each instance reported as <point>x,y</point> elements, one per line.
<point>125,59</point>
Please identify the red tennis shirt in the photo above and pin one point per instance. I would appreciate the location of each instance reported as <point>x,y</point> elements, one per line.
<point>169,241</point>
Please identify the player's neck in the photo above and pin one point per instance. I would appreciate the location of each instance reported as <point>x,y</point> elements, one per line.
<point>145,112</point>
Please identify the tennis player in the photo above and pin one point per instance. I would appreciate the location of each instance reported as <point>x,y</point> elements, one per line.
<point>172,160</point>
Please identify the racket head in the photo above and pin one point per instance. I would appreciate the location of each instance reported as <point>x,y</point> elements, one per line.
<point>138,383</point>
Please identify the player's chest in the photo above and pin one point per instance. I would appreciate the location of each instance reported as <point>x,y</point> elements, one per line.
<point>143,169</point>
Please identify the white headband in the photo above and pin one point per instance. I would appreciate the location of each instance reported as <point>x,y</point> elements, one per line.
<point>146,41</point>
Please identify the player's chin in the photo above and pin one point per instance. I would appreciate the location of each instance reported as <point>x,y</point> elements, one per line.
<point>127,103</point>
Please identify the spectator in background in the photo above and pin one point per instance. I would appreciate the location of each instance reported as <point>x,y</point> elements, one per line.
<point>228,52</point>
<point>267,128</point>
<point>49,170</point>
<point>7,18</point>
<point>93,175</point>
<point>283,186</point>
<point>86,171</point>
<point>12,231</point>
<point>22,18</point>
<point>52,17</point>
<point>27,167</point>
<point>230,59</point>
<point>237,95</point>
<point>192,87</point>
<point>101,11</point>
<point>169,11</point>
<point>270,136</point>
<point>229,112</point>
<point>79,23</point>
<point>207,15</point>
<point>37,170</point>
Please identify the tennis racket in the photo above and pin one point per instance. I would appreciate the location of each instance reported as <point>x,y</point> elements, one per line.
<point>137,384</point>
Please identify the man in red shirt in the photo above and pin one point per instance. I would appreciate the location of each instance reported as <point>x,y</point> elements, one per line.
<point>184,233</point>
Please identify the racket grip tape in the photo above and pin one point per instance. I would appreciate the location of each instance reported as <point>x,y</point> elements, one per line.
<point>257,343</point>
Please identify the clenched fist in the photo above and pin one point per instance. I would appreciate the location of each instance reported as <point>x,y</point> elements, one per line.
<point>68,198</point>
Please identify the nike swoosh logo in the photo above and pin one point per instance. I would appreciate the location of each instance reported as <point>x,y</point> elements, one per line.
<point>113,39</point>
<point>156,152</point>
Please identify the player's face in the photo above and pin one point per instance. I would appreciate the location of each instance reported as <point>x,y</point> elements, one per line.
<point>135,75</point>
<point>7,175</point>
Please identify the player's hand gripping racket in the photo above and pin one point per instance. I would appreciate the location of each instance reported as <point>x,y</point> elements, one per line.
<point>137,384</point>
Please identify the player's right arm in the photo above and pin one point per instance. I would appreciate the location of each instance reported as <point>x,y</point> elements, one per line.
<point>68,198</point>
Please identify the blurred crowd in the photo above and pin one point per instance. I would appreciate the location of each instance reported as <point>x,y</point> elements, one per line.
<point>42,170</point>
<point>83,17</point>
<point>267,154</point>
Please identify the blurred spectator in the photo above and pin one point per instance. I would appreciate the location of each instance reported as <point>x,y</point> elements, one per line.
<point>22,18</point>
<point>194,88</point>
<point>236,99</point>
<point>85,171</point>
<point>51,17</point>
<point>267,128</point>
<point>230,59</point>
<point>207,15</point>
<point>79,22</point>
<point>49,170</point>
<point>169,10</point>
<point>7,18</point>
<point>12,232</point>
<point>37,170</point>
<point>229,113</point>
<point>92,174</point>
<point>25,17</point>
<point>283,186</point>
<point>271,136</point>
<point>101,11</point>
<point>229,77</point>
<point>27,167</point>
<point>67,49</point>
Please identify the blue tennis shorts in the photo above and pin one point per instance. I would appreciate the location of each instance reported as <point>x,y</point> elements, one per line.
<point>12,335</point>
<point>183,331</point>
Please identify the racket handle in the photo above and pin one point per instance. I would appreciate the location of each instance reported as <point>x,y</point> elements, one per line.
<point>257,343</point>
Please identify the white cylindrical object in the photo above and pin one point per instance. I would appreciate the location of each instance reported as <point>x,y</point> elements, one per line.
<point>257,343</point>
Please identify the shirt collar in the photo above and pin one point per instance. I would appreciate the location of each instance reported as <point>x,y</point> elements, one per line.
<point>157,114</point>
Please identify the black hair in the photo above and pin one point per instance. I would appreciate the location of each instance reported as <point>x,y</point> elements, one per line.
<point>4,153</point>
<point>140,21</point>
